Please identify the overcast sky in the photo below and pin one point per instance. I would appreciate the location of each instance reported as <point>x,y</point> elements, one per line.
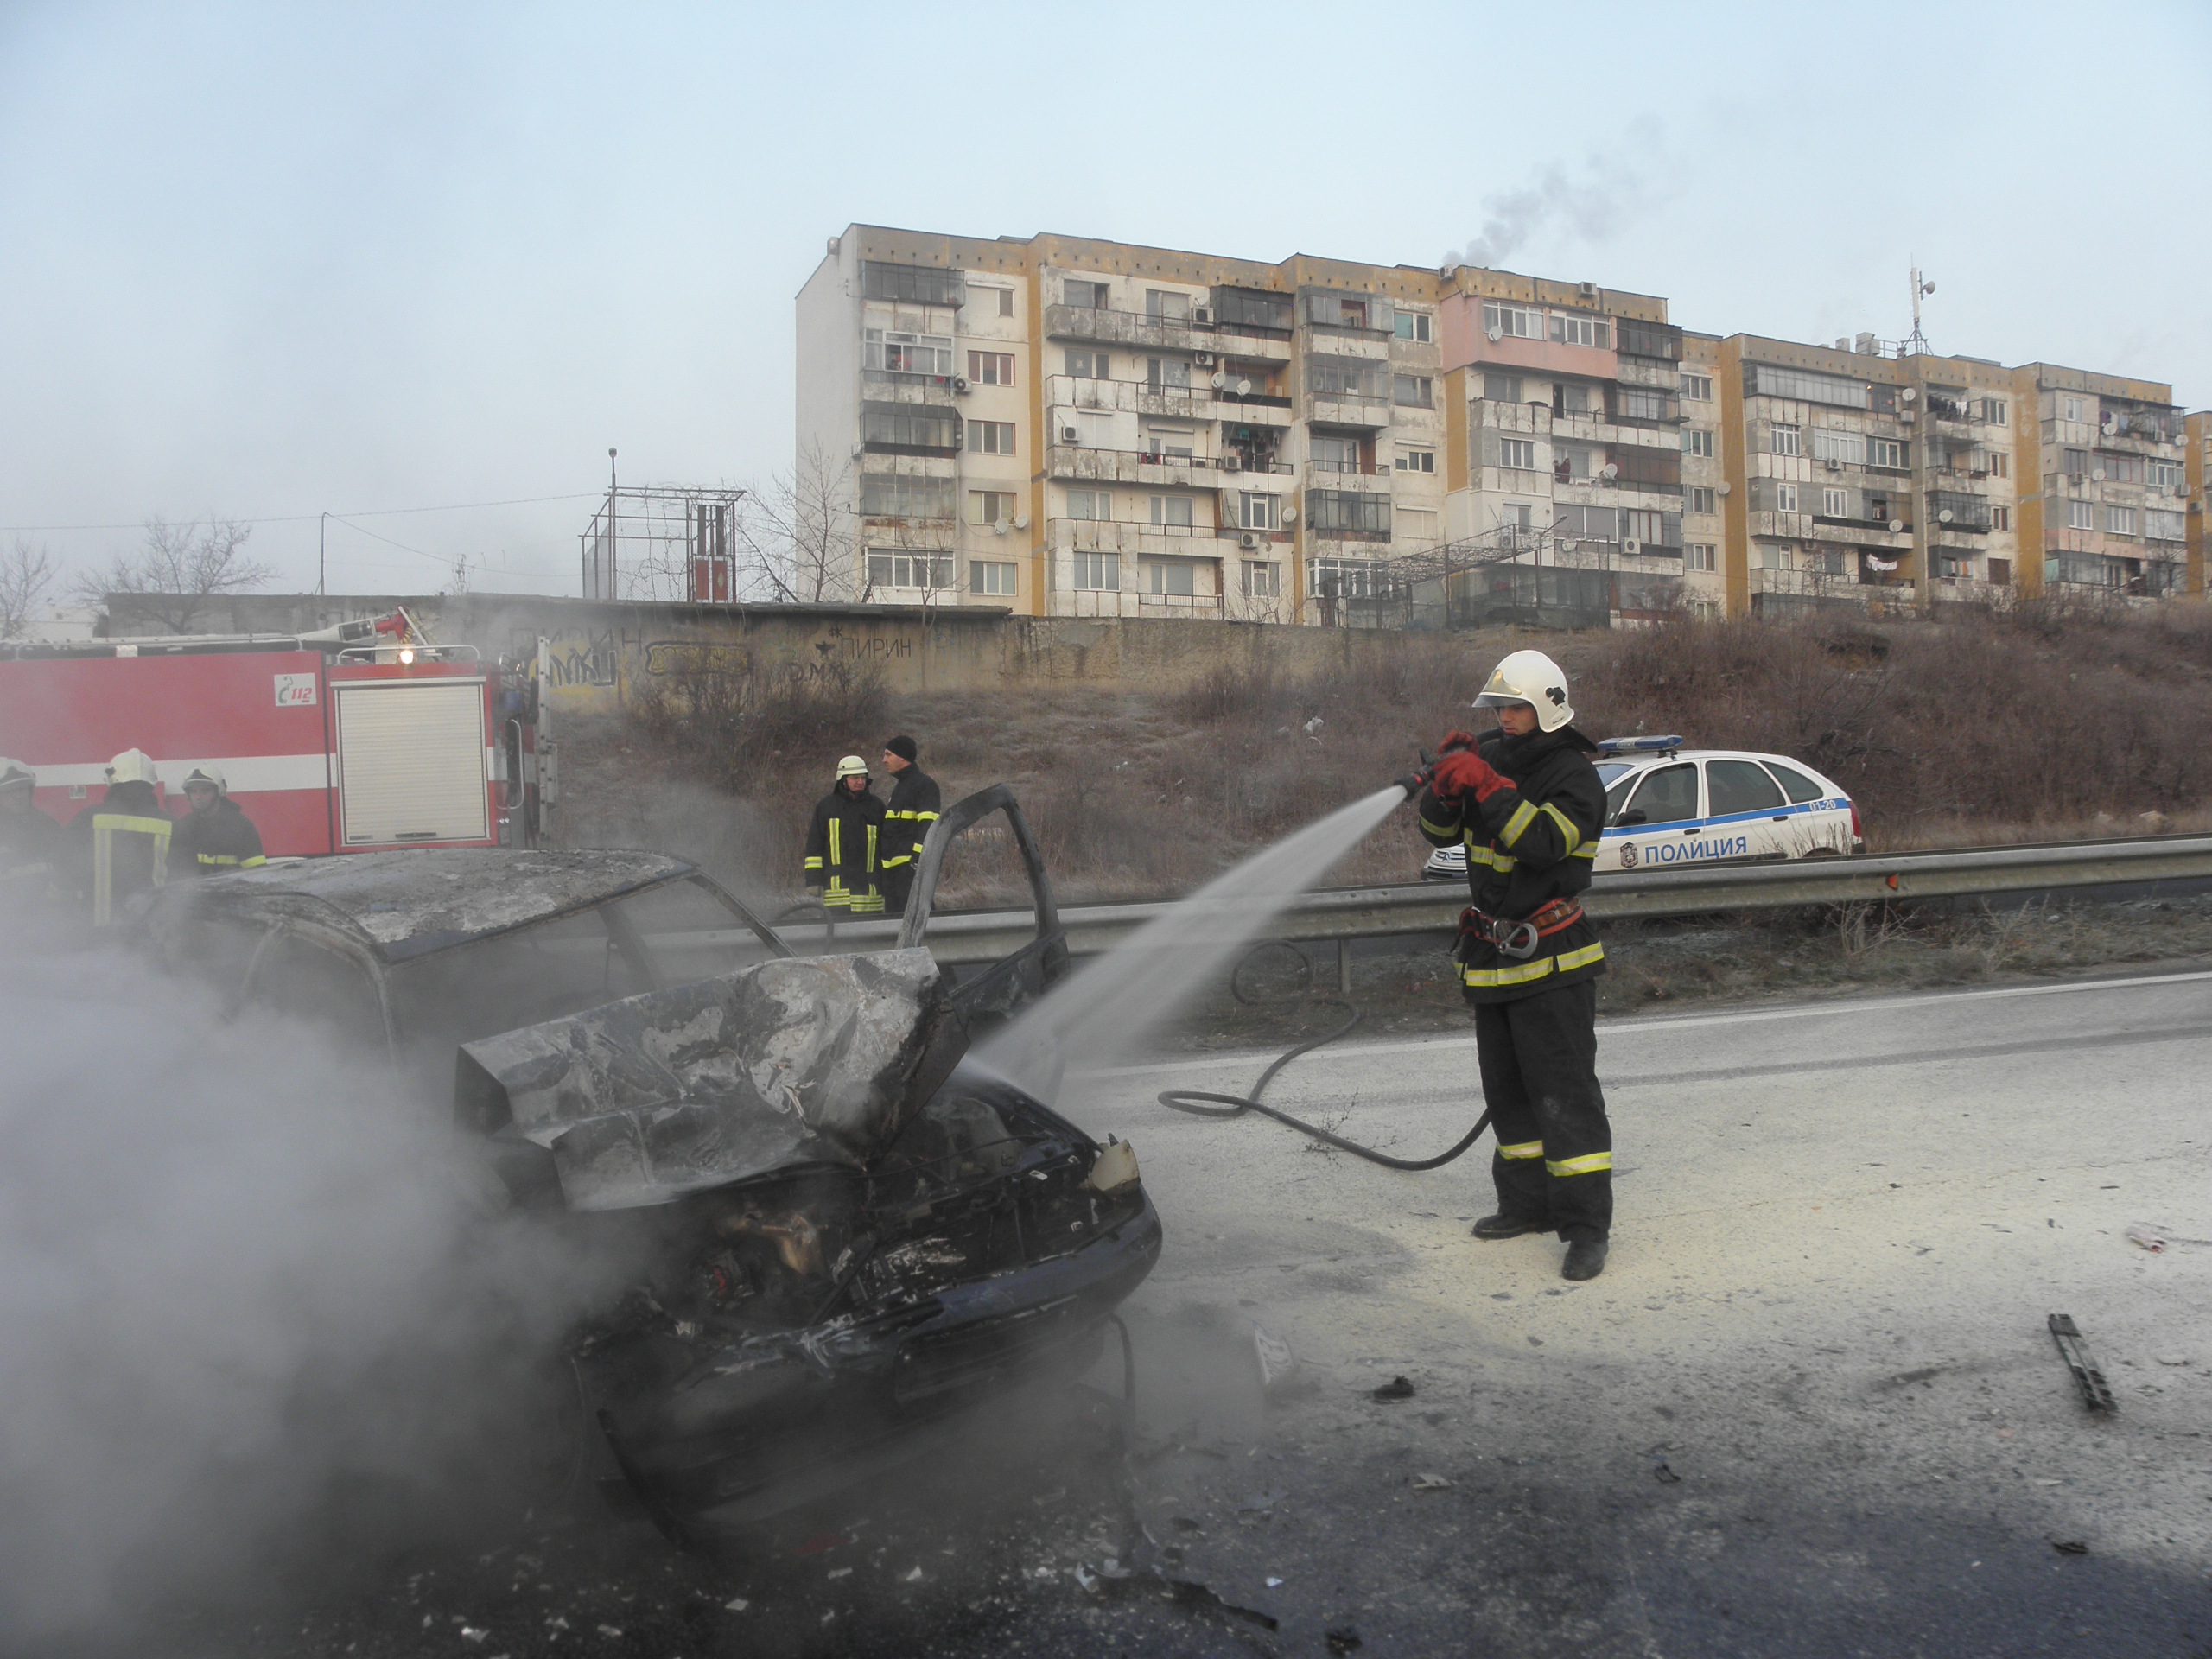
<point>266,261</point>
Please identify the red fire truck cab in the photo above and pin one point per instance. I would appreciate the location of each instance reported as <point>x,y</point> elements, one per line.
<point>361,737</point>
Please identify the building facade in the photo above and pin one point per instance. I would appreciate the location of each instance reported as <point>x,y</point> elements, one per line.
<point>1075,427</point>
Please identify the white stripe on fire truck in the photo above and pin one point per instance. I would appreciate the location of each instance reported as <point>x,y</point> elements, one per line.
<point>247,774</point>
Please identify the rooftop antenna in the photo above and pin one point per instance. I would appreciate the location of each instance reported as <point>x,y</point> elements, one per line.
<point>1916,343</point>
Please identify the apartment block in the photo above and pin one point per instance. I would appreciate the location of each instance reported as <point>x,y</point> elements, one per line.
<point>1079,428</point>
<point>2197,435</point>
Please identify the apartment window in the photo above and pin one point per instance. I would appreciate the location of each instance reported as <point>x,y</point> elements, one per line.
<point>1099,572</point>
<point>1653,529</point>
<point>1571,399</point>
<point>1701,497</point>
<point>2000,517</point>
<point>1171,510</point>
<point>1006,301</point>
<point>2077,463</point>
<point>1582,331</point>
<point>1091,296</point>
<point>2072,409</point>
<point>1886,452</point>
<point>896,353</point>
<point>1412,324</point>
<point>894,495</point>
<point>2120,521</point>
<point>1090,504</point>
<point>1785,498</point>
<point>990,507</point>
<point>1834,444</point>
<point>1089,365</point>
<point>909,570</point>
<point>1330,452</point>
<point>1259,511</point>
<point>1501,388</point>
<point>917,284</point>
<point>1164,306</point>
<point>1416,460</point>
<point>1346,578</point>
<point>1520,454</point>
<point>910,426</point>
<point>1835,504</point>
<point>2167,473</point>
<point>1787,440</point>
<point>1335,512</point>
<point>2080,515</point>
<point>1178,577</point>
<point>1412,390</point>
<point>1642,403</point>
<point>988,577</point>
<point>1516,515</point>
<point>1998,464</point>
<point>1698,387</point>
<point>1416,525</point>
<point>1992,410</point>
<point>1350,379</point>
<point>1171,373</point>
<point>2123,469</point>
<point>1698,556</point>
<point>1168,444</point>
<point>1520,321</point>
<point>991,368</point>
<point>1696,440</point>
<point>990,437</point>
<point>1806,387</point>
<point>1263,579</point>
<point>2160,525</point>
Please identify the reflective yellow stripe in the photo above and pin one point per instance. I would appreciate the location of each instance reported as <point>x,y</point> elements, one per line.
<point>894,862</point>
<point>836,855</point>
<point>1588,1164</point>
<point>1569,835</point>
<point>1587,850</point>
<point>1571,960</point>
<point>866,904</point>
<point>1522,1149</point>
<point>1522,973</point>
<point>923,817</point>
<point>105,827</point>
<point>159,829</point>
<point>870,864</point>
<point>813,863</point>
<point>1485,854</point>
<point>250,863</point>
<point>1516,826</point>
<point>1440,829</point>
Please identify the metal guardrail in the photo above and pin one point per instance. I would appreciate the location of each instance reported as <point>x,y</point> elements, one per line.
<point>963,937</point>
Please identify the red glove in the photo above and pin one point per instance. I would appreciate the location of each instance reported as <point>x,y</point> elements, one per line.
<point>1466,772</point>
<point>1455,741</point>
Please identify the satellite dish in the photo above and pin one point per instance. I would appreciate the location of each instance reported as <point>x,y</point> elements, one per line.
<point>1909,394</point>
<point>1722,487</point>
<point>1219,380</point>
<point>1021,522</point>
<point>1896,526</point>
<point>1495,333</point>
<point>1609,471</point>
<point>1243,387</point>
<point>2096,475</point>
<point>1290,515</point>
<point>1943,517</point>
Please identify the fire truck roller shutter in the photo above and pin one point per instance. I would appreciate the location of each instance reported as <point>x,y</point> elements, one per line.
<point>410,762</point>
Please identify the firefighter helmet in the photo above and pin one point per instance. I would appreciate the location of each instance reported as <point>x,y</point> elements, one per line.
<point>132,766</point>
<point>209,773</point>
<point>851,767</point>
<point>1530,677</point>
<point>14,774</point>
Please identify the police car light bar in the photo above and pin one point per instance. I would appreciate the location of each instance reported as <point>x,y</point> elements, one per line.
<point>1618,746</point>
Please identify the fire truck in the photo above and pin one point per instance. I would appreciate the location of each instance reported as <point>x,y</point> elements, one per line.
<point>362,737</point>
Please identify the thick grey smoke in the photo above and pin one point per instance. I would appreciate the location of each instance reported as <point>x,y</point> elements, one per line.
<point>1592,204</point>
<point>252,1306</point>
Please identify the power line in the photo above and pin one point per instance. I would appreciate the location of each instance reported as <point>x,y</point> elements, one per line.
<point>309,517</point>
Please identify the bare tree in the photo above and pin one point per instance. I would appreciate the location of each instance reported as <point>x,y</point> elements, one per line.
<point>804,533</point>
<point>26,574</point>
<point>179,569</point>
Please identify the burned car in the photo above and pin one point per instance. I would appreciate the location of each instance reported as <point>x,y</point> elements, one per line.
<point>847,1231</point>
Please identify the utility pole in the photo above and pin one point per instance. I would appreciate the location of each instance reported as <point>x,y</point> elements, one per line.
<point>613,591</point>
<point>322,558</point>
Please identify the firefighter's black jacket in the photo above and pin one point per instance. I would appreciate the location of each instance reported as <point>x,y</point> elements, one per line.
<point>31,857</point>
<point>119,848</point>
<point>913,807</point>
<point>844,851</point>
<point>221,838</point>
<point>1530,842</point>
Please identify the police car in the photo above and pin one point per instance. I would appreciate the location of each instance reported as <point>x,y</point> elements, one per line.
<point>1667,806</point>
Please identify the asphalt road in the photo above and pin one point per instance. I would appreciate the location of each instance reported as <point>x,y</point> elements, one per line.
<point>1811,1408</point>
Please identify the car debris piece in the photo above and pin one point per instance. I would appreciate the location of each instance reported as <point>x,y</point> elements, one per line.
<point>1274,1582</point>
<point>1117,1577</point>
<point>2096,1392</point>
<point>2070,1546</point>
<point>1260,1502</point>
<point>1343,1639</point>
<point>1429,1483</point>
<point>1398,1388</point>
<point>1664,1475</point>
<point>2148,1238</point>
<point>1276,1362</point>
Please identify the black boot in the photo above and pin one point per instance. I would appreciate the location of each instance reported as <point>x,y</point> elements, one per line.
<point>1585,1259</point>
<point>1499,1226</point>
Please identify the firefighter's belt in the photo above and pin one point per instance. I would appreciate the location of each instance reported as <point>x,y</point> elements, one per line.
<point>1519,940</point>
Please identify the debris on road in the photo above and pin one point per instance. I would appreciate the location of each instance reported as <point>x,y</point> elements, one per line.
<point>1429,1483</point>
<point>1664,1475</point>
<point>2096,1392</point>
<point>1123,1578</point>
<point>1260,1502</point>
<point>2149,1238</point>
<point>1273,1582</point>
<point>736,1604</point>
<point>2070,1546</point>
<point>1277,1364</point>
<point>1343,1639</point>
<point>2173,1359</point>
<point>1397,1388</point>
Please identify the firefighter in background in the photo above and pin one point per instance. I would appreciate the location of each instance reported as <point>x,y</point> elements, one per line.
<point>122,843</point>
<point>844,843</point>
<point>1528,805</point>
<point>913,808</point>
<point>215,834</point>
<point>31,843</point>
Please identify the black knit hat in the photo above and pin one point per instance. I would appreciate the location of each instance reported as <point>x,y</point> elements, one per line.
<point>903,747</point>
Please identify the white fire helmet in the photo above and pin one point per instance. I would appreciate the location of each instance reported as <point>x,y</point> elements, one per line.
<point>1530,677</point>
<point>14,774</point>
<point>209,773</point>
<point>132,766</point>
<point>851,767</point>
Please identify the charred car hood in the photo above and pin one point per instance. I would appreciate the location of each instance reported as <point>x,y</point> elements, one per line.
<point>781,1065</point>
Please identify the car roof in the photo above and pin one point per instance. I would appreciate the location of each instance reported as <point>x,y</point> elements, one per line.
<point>415,901</point>
<point>1639,760</point>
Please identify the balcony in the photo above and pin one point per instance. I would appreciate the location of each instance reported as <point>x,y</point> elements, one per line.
<point>2140,432</point>
<point>1130,398</point>
<point>892,386</point>
<point>1076,463</point>
<point>1086,601</point>
<point>1367,415</point>
<point>1129,329</point>
<point>1862,532</point>
<point>1360,468</point>
<point>1140,541</point>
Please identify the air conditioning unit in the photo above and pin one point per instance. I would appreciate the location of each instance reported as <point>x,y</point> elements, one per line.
<point>1632,549</point>
<point>960,383</point>
<point>1069,435</point>
<point>1834,466</point>
<point>1231,463</point>
<point>1248,542</point>
<point>1022,521</point>
<point>1204,359</point>
<point>1202,313</point>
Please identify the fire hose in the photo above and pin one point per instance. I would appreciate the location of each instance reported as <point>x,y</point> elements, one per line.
<point>1200,1102</point>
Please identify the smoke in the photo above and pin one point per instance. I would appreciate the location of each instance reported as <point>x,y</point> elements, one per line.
<point>1113,1002</point>
<point>256,1316</point>
<point>1592,204</point>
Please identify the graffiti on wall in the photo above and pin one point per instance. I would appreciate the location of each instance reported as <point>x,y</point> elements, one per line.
<point>576,658</point>
<point>690,656</point>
